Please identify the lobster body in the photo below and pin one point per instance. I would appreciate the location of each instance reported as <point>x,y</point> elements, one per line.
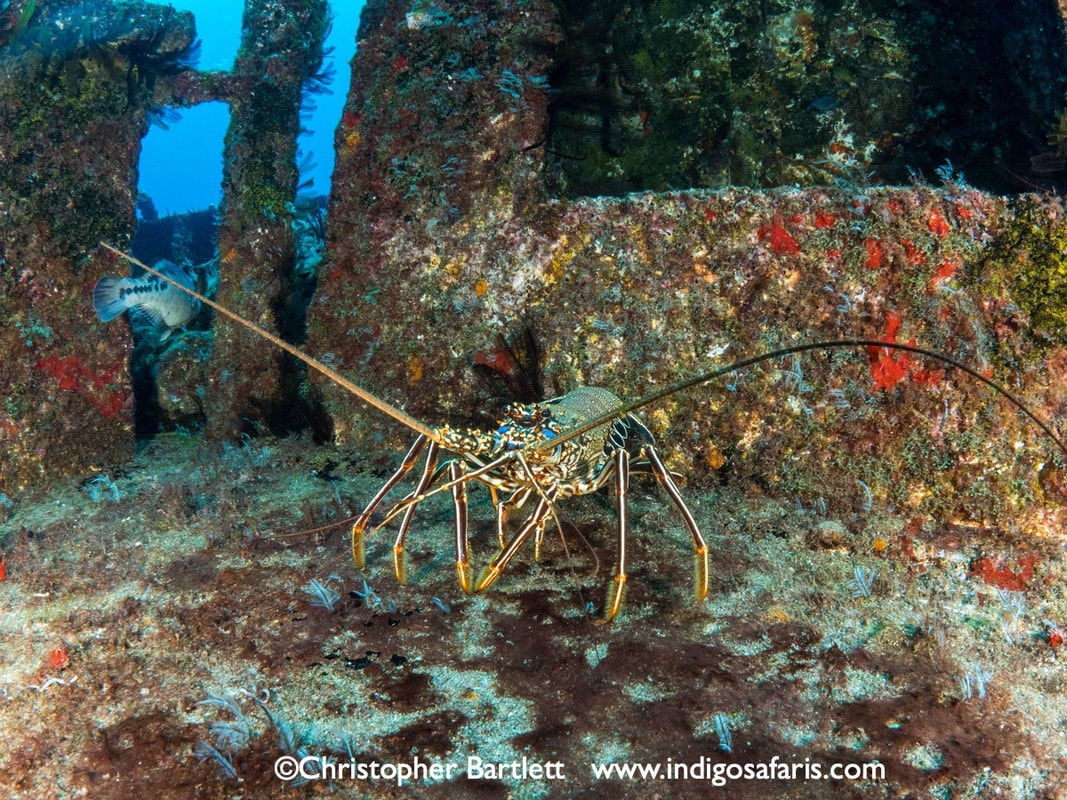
<point>526,427</point>
<point>519,460</point>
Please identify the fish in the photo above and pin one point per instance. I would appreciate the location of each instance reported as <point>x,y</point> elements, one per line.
<point>823,103</point>
<point>148,298</point>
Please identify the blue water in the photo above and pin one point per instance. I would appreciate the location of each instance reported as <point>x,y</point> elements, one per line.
<point>181,167</point>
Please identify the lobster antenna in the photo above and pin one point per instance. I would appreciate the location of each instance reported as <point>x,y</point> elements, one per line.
<point>834,344</point>
<point>362,394</point>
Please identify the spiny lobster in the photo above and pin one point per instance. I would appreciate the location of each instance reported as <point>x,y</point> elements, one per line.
<point>566,446</point>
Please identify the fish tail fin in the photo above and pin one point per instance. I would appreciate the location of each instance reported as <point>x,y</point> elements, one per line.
<point>107,299</point>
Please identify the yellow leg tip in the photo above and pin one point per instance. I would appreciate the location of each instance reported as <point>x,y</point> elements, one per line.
<point>486,579</point>
<point>614,600</point>
<point>463,569</point>
<point>358,557</point>
<point>700,575</point>
<point>400,565</point>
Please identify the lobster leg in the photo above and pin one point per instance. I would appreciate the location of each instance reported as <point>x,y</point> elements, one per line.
<point>622,482</point>
<point>503,511</point>
<point>399,560</point>
<point>364,518</point>
<point>535,523</point>
<point>700,547</point>
<point>501,515</point>
<point>456,471</point>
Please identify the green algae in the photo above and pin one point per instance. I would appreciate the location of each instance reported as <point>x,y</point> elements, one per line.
<point>1029,259</point>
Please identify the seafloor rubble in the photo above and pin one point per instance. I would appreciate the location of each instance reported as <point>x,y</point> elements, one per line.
<point>886,534</point>
<point>933,647</point>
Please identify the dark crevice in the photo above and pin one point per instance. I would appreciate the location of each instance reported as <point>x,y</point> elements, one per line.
<point>654,95</point>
